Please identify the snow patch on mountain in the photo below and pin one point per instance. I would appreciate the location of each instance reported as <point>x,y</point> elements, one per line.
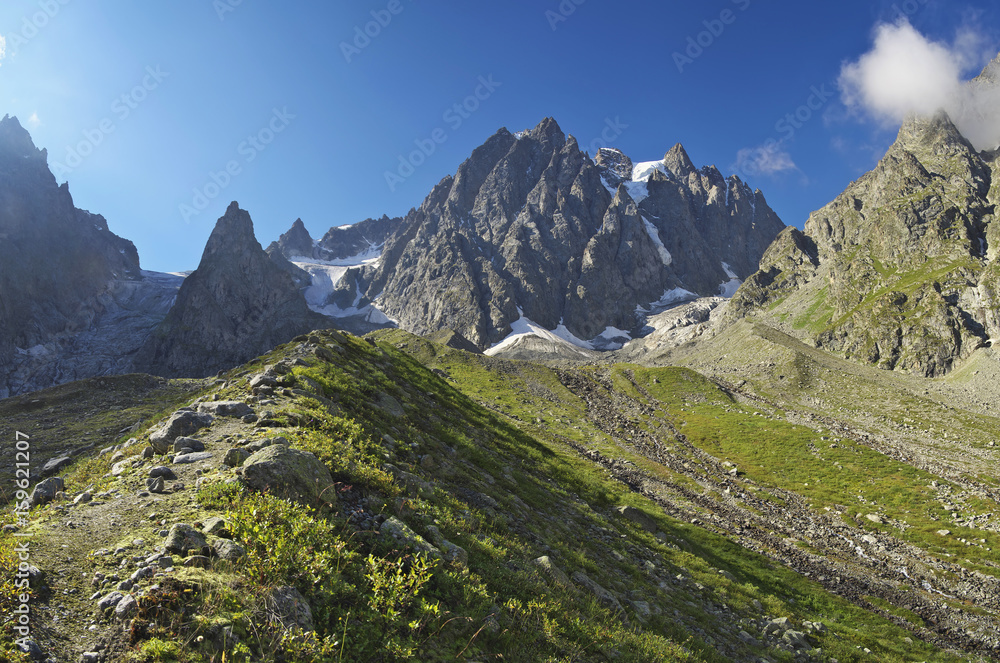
<point>654,235</point>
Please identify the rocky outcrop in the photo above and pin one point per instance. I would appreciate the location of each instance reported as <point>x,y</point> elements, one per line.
<point>531,227</point>
<point>73,300</point>
<point>237,305</point>
<point>900,270</point>
<point>338,243</point>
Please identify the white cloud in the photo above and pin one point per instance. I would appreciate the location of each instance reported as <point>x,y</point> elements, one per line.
<point>907,73</point>
<point>3,48</point>
<point>769,158</point>
<point>904,73</point>
<point>34,122</point>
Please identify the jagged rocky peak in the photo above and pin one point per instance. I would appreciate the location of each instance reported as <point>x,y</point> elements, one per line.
<point>238,304</point>
<point>530,231</point>
<point>61,271</point>
<point>15,141</point>
<point>898,270</point>
<point>297,241</point>
<point>678,163</point>
<point>617,167</point>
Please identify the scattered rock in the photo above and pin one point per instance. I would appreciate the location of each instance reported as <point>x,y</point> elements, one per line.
<point>451,552</point>
<point>164,472</point>
<point>110,601</point>
<point>214,525</point>
<point>286,606</point>
<point>187,459</point>
<point>184,538</point>
<point>181,423</point>
<point>155,485</point>
<point>127,608</point>
<point>54,465</point>
<point>45,491</point>
<point>875,518</point>
<point>236,456</point>
<point>191,443</point>
<point>290,473</point>
<point>395,530</point>
<point>227,550</point>
<point>82,498</point>
<point>226,409</point>
<point>548,567</point>
<point>606,598</point>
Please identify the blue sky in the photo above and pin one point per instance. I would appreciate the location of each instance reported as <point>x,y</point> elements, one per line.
<point>144,107</point>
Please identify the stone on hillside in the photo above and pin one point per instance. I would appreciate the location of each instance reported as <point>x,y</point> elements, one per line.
<point>198,561</point>
<point>389,405</point>
<point>187,459</point>
<point>155,484</point>
<point>227,550</point>
<point>214,525</point>
<point>180,424</point>
<point>45,491</point>
<point>604,597</point>
<point>451,552</point>
<point>161,471</point>
<point>188,443</point>
<point>226,409</point>
<point>126,608</point>
<point>121,467</point>
<point>109,601</point>
<point>183,538</point>
<point>638,517</point>
<point>548,567</point>
<point>235,457</point>
<point>797,640</point>
<point>291,474</point>
<point>396,531</point>
<point>82,498</point>
<point>54,465</point>
<point>286,606</point>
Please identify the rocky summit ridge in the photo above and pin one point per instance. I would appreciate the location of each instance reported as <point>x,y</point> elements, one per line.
<point>531,229</point>
<point>74,302</point>
<point>239,303</point>
<point>900,270</point>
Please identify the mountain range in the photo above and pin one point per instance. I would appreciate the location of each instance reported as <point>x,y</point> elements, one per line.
<point>601,410</point>
<point>529,234</point>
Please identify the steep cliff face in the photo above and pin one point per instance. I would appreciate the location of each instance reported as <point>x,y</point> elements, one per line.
<point>900,270</point>
<point>238,304</point>
<point>62,272</point>
<point>530,228</point>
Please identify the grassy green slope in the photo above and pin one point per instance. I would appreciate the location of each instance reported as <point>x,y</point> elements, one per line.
<point>495,455</point>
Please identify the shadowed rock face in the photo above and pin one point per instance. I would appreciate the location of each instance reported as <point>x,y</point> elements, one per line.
<point>901,269</point>
<point>531,225</point>
<point>237,305</point>
<point>61,269</point>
